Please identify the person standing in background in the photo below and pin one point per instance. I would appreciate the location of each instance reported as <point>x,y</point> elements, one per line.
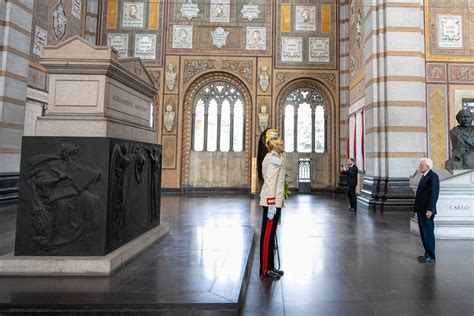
<point>426,197</point>
<point>352,173</point>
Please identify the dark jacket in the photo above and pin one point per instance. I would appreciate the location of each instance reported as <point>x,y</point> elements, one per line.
<point>352,175</point>
<point>427,193</point>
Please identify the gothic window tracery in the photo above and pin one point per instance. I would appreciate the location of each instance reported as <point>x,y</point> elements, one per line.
<point>218,118</point>
<point>304,121</point>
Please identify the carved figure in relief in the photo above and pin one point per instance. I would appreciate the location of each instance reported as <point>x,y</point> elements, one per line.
<point>132,11</point>
<point>170,77</point>
<point>305,16</point>
<point>219,10</point>
<point>169,118</point>
<point>59,21</point>
<point>155,187</point>
<point>264,78</point>
<point>462,142</point>
<point>263,118</point>
<point>64,205</point>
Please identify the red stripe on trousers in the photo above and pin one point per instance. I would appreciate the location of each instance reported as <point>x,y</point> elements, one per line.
<point>266,242</point>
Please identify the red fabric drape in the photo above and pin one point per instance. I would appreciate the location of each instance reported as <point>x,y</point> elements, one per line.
<point>362,141</point>
<point>355,137</point>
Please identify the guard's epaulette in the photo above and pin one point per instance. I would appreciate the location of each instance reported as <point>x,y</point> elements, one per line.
<point>275,159</point>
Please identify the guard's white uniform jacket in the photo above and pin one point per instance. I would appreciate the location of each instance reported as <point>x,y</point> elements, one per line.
<point>273,189</point>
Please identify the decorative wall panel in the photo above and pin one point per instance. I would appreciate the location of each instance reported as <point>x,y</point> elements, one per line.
<point>221,27</point>
<point>135,29</point>
<point>306,34</point>
<point>437,115</point>
<point>449,29</point>
<point>436,72</point>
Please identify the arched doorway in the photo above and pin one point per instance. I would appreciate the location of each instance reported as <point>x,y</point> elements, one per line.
<point>216,148</point>
<point>306,119</point>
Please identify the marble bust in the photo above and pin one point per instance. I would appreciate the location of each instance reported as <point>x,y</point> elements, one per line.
<point>462,142</point>
<point>263,118</point>
<point>169,116</point>
<point>170,77</point>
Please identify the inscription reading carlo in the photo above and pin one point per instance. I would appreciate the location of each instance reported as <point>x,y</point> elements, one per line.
<point>465,207</point>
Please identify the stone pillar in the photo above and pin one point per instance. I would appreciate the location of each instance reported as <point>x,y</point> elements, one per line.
<point>15,36</point>
<point>395,126</point>
<point>344,80</point>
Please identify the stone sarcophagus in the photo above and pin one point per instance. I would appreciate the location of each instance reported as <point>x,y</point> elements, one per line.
<point>90,179</point>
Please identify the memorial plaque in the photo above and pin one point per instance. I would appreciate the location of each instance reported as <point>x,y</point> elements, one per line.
<point>41,38</point>
<point>133,14</point>
<point>256,38</point>
<point>76,8</point>
<point>220,11</point>
<point>319,49</point>
<point>145,46</point>
<point>59,21</point>
<point>119,41</point>
<point>182,36</point>
<point>305,18</point>
<point>219,37</point>
<point>291,49</point>
<point>250,11</point>
<point>450,31</point>
<point>189,10</point>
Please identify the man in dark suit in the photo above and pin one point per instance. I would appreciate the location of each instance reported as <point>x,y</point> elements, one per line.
<point>352,173</point>
<point>425,207</point>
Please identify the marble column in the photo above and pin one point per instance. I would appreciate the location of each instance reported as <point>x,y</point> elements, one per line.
<point>395,101</point>
<point>15,35</point>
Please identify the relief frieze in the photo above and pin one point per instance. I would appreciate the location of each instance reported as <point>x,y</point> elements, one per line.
<point>195,67</point>
<point>326,77</point>
<point>461,73</point>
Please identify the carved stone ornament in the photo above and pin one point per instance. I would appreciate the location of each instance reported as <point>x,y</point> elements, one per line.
<point>59,21</point>
<point>170,77</point>
<point>41,38</point>
<point>182,36</point>
<point>263,118</point>
<point>76,8</point>
<point>220,11</point>
<point>219,37</point>
<point>256,38</point>
<point>189,10</point>
<point>263,78</point>
<point>250,11</point>
<point>169,117</point>
<point>450,31</point>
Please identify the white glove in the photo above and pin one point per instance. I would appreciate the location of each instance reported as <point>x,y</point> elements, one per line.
<point>271,211</point>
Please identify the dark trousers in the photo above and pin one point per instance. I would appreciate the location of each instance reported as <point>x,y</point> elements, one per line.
<point>351,193</point>
<point>426,227</point>
<point>267,240</point>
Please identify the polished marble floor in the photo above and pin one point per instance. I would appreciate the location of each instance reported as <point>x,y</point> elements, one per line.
<point>335,263</point>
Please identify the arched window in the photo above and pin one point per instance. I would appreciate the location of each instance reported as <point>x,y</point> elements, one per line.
<point>218,118</point>
<point>305,121</point>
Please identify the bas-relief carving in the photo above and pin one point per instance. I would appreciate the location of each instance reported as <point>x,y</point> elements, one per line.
<point>65,204</point>
<point>41,38</point>
<point>119,41</point>
<point>133,14</point>
<point>59,21</point>
<point>145,46</point>
<point>461,73</point>
<point>170,77</point>
<point>256,38</point>
<point>76,8</point>
<point>359,27</point>
<point>263,118</point>
<point>436,72</point>
<point>182,36</point>
<point>194,67</point>
<point>169,117</point>
<point>327,77</point>
<point>219,37</point>
<point>264,78</point>
<point>305,17</point>
<point>220,11</point>
<point>450,31</point>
